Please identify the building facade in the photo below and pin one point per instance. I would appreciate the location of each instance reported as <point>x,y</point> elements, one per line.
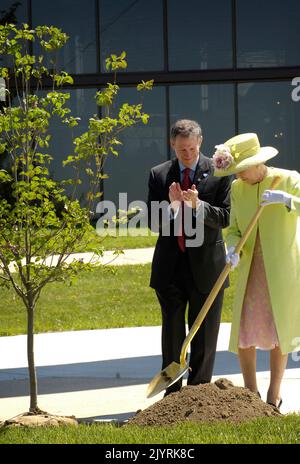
<point>232,65</point>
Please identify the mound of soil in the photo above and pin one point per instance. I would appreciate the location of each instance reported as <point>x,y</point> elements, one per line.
<point>205,403</point>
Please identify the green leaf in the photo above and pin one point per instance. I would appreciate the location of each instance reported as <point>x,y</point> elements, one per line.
<point>148,85</point>
<point>4,73</point>
<point>145,118</point>
<point>89,171</point>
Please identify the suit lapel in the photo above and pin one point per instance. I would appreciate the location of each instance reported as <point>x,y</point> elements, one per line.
<point>202,173</point>
<point>173,174</point>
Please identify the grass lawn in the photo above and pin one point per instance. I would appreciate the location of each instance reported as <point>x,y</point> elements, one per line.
<point>104,298</point>
<point>280,430</point>
<point>122,238</point>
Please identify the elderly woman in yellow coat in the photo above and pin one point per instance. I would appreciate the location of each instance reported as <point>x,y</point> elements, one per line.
<point>266,311</point>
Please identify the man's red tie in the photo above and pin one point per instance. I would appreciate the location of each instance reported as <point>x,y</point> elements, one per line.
<point>185,185</point>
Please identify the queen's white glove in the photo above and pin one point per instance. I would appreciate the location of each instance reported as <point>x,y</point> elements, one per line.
<point>271,197</point>
<point>232,257</point>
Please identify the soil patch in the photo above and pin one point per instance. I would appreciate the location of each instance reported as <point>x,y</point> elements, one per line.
<point>205,403</point>
<point>39,420</point>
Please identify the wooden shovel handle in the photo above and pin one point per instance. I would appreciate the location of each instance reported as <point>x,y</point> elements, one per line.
<point>220,281</point>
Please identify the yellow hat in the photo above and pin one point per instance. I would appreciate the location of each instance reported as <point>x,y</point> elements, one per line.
<point>240,153</point>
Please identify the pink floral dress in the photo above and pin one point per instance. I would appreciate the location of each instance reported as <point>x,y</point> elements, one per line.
<point>257,326</point>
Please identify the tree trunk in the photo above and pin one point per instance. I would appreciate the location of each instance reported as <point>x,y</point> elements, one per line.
<point>30,357</point>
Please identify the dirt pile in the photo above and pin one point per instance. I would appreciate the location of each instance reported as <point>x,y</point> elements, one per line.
<point>208,402</point>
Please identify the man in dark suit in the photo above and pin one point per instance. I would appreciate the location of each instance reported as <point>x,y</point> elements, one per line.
<point>183,273</point>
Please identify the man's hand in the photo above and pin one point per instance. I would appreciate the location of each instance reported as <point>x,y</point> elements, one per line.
<point>175,196</point>
<point>190,197</point>
<point>271,197</point>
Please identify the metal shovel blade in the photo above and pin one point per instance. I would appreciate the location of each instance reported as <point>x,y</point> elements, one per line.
<point>166,378</point>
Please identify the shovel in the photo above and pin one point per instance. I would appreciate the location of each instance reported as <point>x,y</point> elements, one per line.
<point>175,371</point>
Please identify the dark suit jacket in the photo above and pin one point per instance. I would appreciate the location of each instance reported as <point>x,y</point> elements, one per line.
<point>208,260</point>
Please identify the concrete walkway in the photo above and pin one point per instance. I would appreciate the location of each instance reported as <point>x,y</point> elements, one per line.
<point>103,374</point>
<point>127,257</point>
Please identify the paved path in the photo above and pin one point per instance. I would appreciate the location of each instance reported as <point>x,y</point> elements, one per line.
<point>130,256</point>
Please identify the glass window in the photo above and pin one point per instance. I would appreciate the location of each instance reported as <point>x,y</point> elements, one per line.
<point>13,12</point>
<point>268,33</point>
<point>82,104</point>
<point>135,26</point>
<point>144,146</point>
<point>268,109</point>
<point>199,34</point>
<point>212,106</point>
<point>77,19</point>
